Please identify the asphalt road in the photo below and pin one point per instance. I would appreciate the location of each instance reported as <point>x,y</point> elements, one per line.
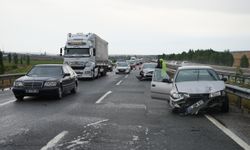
<point>124,118</point>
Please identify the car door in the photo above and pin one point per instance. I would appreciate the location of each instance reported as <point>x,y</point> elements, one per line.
<point>73,76</point>
<point>66,82</point>
<point>160,89</point>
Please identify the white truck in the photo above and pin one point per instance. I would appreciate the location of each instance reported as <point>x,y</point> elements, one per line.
<point>87,54</point>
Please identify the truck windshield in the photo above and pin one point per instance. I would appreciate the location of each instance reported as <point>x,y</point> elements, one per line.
<point>77,51</point>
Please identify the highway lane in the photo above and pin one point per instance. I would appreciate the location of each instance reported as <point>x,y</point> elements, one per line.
<point>126,118</point>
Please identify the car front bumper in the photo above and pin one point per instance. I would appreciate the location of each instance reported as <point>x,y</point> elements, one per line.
<point>40,92</point>
<point>192,105</point>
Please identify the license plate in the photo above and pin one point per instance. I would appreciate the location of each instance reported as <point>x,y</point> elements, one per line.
<point>32,91</point>
<point>199,103</point>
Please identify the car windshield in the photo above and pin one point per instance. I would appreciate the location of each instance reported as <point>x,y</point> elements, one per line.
<point>150,65</point>
<point>46,71</point>
<point>196,75</point>
<point>122,64</point>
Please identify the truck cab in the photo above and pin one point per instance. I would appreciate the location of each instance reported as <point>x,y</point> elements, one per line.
<point>80,54</point>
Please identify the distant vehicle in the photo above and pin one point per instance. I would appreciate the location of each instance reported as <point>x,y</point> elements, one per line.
<point>185,63</point>
<point>133,58</point>
<point>110,66</point>
<point>193,88</point>
<point>132,64</point>
<point>146,71</point>
<point>46,80</point>
<point>87,54</point>
<point>122,67</point>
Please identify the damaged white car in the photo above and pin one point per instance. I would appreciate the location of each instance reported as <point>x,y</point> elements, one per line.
<point>192,89</point>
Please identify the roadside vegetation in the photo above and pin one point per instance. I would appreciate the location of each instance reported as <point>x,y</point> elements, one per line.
<point>20,63</point>
<point>207,56</point>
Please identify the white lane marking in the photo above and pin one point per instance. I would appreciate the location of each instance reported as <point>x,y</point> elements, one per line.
<point>5,103</point>
<point>126,76</point>
<point>100,99</point>
<point>98,122</point>
<point>52,143</point>
<point>118,83</point>
<point>228,132</point>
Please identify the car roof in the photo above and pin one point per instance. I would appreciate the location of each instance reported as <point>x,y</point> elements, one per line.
<point>194,67</point>
<point>50,65</point>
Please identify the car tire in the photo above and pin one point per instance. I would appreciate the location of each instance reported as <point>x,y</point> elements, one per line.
<point>19,98</point>
<point>175,110</point>
<point>59,93</point>
<point>225,105</point>
<point>75,89</point>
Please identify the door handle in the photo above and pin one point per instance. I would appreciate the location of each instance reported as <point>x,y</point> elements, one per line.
<point>153,85</point>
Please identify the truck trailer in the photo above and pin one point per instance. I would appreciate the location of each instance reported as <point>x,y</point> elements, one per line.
<point>87,54</point>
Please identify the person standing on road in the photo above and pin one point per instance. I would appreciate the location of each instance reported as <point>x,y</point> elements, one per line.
<point>163,66</point>
<point>163,69</point>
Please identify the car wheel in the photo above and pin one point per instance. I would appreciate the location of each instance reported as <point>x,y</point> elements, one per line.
<point>175,110</point>
<point>59,93</point>
<point>75,89</point>
<point>19,98</point>
<point>225,105</point>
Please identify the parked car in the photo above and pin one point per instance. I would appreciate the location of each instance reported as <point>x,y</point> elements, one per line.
<point>122,67</point>
<point>146,71</point>
<point>46,79</point>
<point>192,89</point>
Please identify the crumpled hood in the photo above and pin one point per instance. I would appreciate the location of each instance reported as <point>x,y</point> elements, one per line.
<point>30,78</point>
<point>148,70</point>
<point>200,87</point>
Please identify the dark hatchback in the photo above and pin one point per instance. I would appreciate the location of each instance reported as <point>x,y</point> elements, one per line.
<point>46,80</point>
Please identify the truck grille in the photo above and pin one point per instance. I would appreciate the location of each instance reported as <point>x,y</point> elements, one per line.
<point>33,84</point>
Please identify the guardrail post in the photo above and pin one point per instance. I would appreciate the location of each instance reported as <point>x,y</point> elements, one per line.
<point>239,102</point>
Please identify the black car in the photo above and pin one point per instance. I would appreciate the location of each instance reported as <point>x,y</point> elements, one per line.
<point>46,80</point>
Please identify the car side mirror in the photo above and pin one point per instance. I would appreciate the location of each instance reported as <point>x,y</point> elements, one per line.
<point>66,74</point>
<point>167,81</point>
<point>224,79</point>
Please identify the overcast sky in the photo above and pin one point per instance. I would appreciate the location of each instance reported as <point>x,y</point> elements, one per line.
<point>130,26</point>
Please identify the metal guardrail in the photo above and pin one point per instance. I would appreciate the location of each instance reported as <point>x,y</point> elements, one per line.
<point>6,81</point>
<point>236,90</point>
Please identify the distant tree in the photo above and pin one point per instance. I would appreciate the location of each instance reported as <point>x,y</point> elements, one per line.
<point>1,63</point>
<point>21,59</point>
<point>28,60</point>
<point>15,57</point>
<point>244,62</point>
<point>9,58</point>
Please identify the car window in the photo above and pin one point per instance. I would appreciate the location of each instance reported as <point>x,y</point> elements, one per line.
<point>196,75</point>
<point>65,70</point>
<point>122,64</point>
<point>158,77</point>
<point>45,71</point>
<point>72,72</point>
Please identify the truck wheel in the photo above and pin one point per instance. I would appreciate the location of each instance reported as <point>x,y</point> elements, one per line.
<point>104,73</point>
<point>93,75</point>
<point>225,105</point>
<point>19,98</point>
